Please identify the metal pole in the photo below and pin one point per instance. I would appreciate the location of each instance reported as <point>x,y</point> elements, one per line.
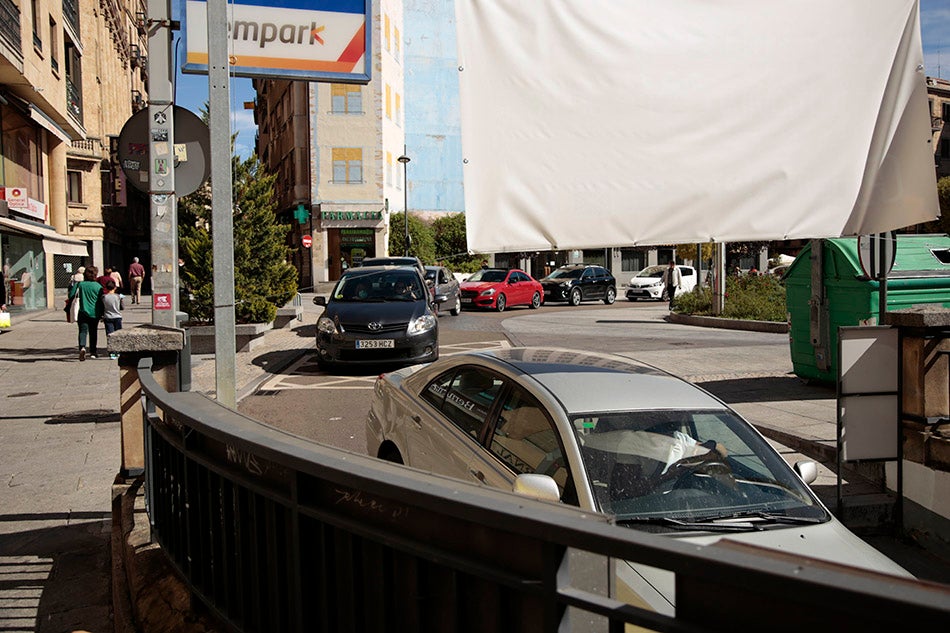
<point>163,209</point>
<point>222,222</point>
<point>404,159</point>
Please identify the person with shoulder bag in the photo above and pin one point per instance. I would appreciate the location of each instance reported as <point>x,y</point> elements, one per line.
<point>88,296</point>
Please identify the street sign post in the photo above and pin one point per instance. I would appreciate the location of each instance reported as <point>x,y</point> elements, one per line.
<point>877,253</point>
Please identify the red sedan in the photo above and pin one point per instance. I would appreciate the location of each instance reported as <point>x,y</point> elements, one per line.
<point>497,289</point>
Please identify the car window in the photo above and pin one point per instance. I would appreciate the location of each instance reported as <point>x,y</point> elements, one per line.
<point>379,286</point>
<point>526,440</point>
<point>488,275</point>
<point>686,271</point>
<point>469,397</point>
<point>518,276</point>
<point>587,276</point>
<point>566,273</point>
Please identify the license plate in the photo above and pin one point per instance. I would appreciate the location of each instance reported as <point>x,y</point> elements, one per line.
<point>466,300</point>
<point>381,343</point>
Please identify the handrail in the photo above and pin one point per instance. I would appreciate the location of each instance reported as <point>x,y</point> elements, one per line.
<point>275,532</point>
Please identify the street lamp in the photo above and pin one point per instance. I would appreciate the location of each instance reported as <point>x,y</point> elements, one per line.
<point>405,200</point>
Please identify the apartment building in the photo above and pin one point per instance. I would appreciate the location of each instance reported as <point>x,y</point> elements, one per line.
<point>71,74</point>
<point>938,96</point>
<point>336,149</point>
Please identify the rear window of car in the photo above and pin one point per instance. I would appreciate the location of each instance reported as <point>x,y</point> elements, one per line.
<point>465,397</point>
<point>566,273</point>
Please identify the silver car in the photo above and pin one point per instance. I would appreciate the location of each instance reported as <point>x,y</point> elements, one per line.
<point>612,435</point>
<point>445,283</point>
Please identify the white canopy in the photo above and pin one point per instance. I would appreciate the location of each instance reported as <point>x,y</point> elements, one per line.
<point>637,122</point>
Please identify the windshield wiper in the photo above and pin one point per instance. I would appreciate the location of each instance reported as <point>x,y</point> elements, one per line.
<point>704,525</point>
<point>770,517</point>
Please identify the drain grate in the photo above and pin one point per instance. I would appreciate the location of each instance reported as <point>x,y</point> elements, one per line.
<point>23,394</point>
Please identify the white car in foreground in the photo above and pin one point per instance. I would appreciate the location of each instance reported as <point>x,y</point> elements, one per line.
<point>609,434</point>
<point>648,283</point>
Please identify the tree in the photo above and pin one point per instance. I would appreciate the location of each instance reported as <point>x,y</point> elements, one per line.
<point>421,242</point>
<point>451,243</point>
<point>941,224</point>
<point>263,279</point>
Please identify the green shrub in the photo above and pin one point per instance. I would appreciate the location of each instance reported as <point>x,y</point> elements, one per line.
<point>756,298</point>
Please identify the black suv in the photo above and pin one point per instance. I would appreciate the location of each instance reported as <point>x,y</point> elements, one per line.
<point>580,282</point>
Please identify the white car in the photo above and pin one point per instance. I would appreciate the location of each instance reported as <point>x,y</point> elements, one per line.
<point>610,435</point>
<point>648,283</point>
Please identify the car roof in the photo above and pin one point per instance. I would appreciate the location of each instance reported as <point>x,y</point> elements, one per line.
<point>590,381</point>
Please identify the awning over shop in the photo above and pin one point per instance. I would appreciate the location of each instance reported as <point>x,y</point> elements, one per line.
<point>53,242</point>
<point>49,124</point>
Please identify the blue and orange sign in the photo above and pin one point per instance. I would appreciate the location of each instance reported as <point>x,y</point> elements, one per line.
<point>315,40</point>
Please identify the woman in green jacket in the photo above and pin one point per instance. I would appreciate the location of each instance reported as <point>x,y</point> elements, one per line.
<point>88,293</point>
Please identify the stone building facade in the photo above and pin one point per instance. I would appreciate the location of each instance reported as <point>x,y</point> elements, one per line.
<point>71,74</point>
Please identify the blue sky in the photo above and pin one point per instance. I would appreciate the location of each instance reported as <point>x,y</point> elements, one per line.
<point>192,90</point>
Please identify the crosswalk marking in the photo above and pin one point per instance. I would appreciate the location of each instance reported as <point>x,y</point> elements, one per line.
<point>305,374</point>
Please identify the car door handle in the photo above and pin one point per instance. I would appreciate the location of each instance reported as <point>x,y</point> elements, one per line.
<point>479,475</point>
<point>417,421</point>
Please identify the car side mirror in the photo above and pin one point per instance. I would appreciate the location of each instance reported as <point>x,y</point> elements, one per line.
<point>440,299</point>
<point>537,486</point>
<point>320,300</point>
<point>807,470</point>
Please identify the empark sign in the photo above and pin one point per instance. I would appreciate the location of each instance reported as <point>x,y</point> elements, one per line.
<point>315,40</point>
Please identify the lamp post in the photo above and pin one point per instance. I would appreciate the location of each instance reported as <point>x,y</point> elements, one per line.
<point>405,200</point>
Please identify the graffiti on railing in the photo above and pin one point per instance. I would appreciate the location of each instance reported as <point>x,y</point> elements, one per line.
<point>246,459</point>
<point>356,497</point>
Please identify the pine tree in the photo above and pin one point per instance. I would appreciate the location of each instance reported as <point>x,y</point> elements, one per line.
<point>263,278</point>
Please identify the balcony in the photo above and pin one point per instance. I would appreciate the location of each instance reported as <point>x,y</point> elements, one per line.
<point>936,123</point>
<point>73,100</point>
<point>10,26</point>
<point>71,14</point>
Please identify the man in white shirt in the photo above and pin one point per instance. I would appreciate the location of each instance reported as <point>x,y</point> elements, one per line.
<point>673,280</point>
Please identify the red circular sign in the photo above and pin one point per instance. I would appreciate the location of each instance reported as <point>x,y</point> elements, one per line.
<point>307,241</point>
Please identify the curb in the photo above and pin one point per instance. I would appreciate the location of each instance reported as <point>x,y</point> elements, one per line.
<point>775,327</point>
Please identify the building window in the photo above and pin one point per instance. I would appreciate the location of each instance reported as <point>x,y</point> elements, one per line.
<point>389,103</point>
<point>396,45</point>
<point>398,109</point>
<point>386,31</point>
<point>34,14</point>
<point>632,260</point>
<point>945,148</point>
<point>347,165</point>
<point>74,187</point>
<point>389,168</point>
<point>946,110</point>
<point>346,99</point>
<point>53,46</point>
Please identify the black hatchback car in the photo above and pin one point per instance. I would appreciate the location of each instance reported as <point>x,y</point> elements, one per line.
<point>376,315</point>
<point>574,283</point>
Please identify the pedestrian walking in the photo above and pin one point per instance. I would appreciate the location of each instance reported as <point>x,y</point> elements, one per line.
<point>105,277</point>
<point>117,276</point>
<point>673,280</point>
<point>136,277</point>
<point>112,310</point>
<point>89,294</point>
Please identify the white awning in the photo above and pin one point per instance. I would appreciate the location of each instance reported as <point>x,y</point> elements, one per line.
<point>44,120</point>
<point>53,242</point>
<point>604,123</point>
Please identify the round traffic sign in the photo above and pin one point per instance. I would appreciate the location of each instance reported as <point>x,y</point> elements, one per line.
<point>876,253</point>
<point>307,241</point>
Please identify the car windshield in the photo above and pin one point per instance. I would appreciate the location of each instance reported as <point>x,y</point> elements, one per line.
<point>691,466</point>
<point>489,274</point>
<point>566,273</point>
<point>389,285</point>
<point>652,271</point>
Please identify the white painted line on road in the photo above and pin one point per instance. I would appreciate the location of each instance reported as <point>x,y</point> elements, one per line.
<point>304,373</point>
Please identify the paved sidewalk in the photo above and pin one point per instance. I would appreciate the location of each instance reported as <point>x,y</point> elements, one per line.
<point>59,455</point>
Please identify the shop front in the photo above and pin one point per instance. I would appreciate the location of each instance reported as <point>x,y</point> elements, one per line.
<point>351,235</point>
<point>28,253</point>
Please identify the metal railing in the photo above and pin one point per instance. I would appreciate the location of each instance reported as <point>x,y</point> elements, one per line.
<point>73,99</point>
<point>71,14</point>
<point>10,26</point>
<point>274,532</point>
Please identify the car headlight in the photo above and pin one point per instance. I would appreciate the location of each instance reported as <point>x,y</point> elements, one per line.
<point>487,293</point>
<point>565,284</point>
<point>421,324</point>
<point>656,283</point>
<point>326,325</point>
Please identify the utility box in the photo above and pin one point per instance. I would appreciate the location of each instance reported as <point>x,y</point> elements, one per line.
<point>825,288</point>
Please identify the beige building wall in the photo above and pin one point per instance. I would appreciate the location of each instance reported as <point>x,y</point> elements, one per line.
<point>938,95</point>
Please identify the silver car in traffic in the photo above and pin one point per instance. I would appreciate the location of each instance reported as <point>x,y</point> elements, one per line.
<point>612,435</point>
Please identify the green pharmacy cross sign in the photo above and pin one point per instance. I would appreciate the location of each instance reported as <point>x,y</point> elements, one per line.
<point>301,214</point>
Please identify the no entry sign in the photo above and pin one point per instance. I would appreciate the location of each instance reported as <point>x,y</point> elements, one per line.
<point>307,241</point>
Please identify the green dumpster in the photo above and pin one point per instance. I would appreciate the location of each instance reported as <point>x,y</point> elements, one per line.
<point>825,289</point>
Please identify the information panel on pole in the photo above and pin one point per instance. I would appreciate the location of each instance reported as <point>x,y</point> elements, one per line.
<point>313,40</point>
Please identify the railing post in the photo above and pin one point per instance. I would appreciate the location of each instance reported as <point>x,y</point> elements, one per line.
<point>164,345</point>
